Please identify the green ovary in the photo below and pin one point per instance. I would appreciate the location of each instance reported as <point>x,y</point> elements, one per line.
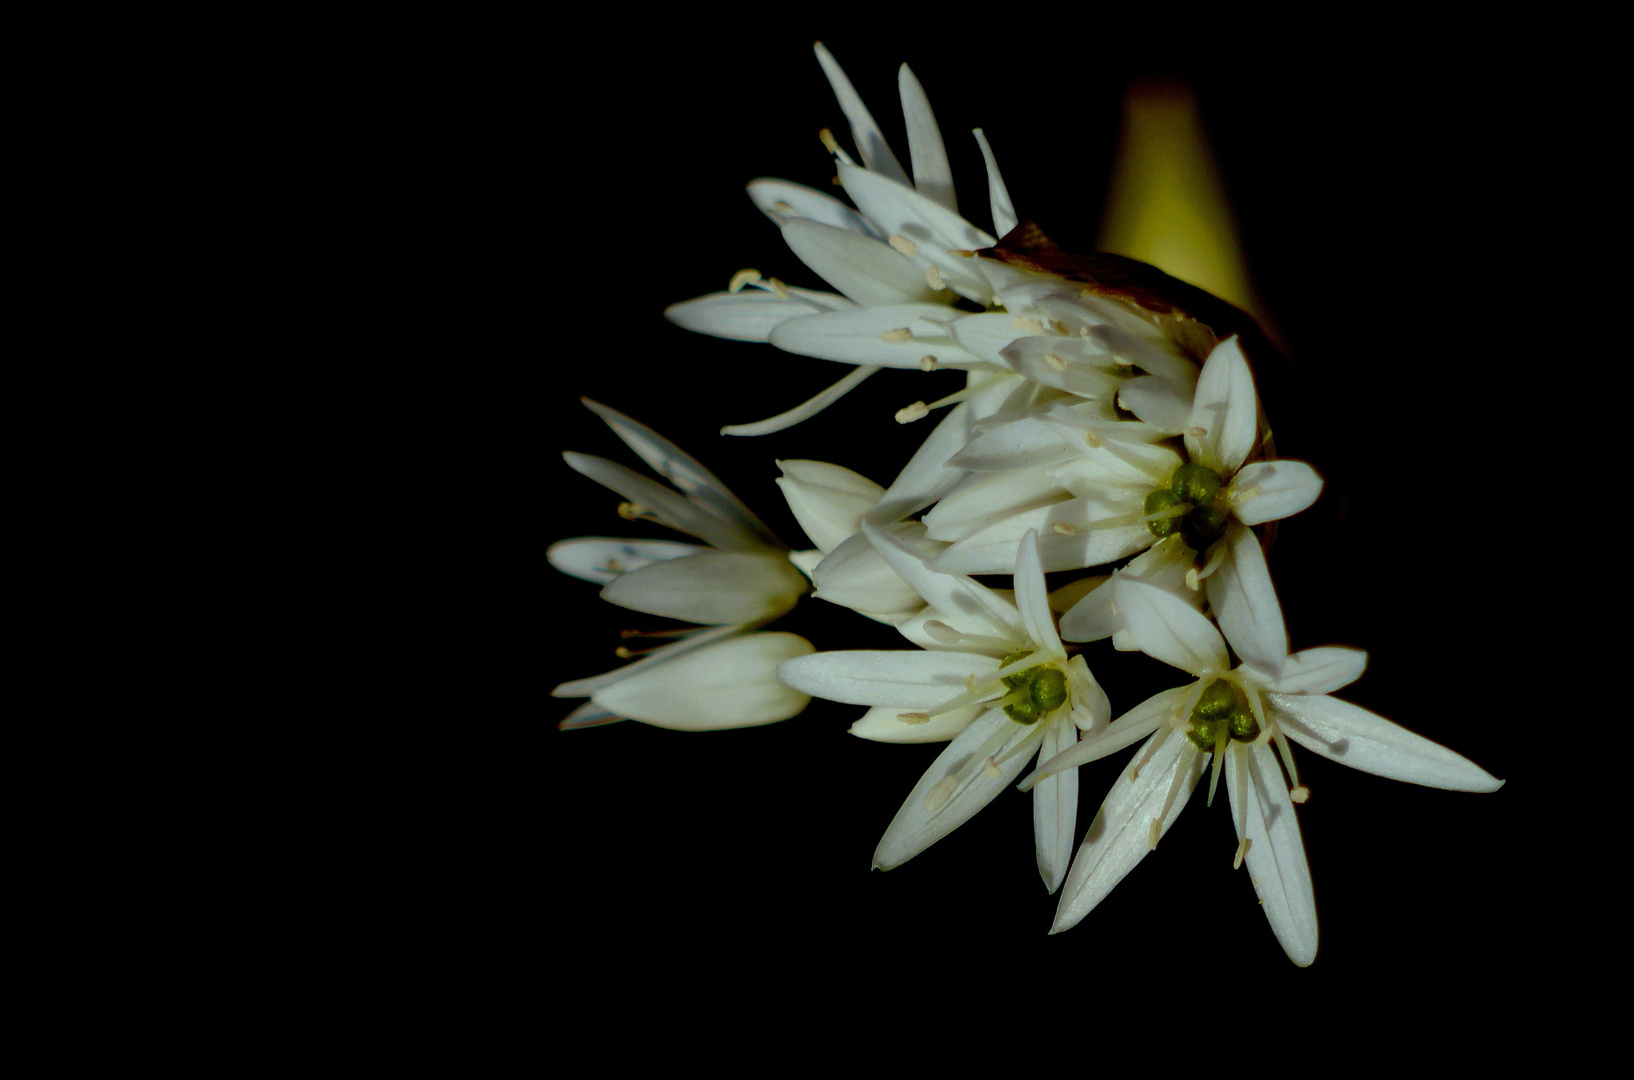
<point>1038,691</point>
<point>1193,506</point>
<point>1221,714</point>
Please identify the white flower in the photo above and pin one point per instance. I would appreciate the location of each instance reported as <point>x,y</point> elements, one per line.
<point>715,676</point>
<point>1241,719</point>
<point>994,668</point>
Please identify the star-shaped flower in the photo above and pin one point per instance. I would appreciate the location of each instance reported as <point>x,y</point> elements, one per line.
<point>994,677</point>
<point>1241,720</point>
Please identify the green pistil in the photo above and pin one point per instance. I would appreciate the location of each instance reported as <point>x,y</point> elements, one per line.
<point>1219,712</point>
<point>1194,493</point>
<point>1045,689</point>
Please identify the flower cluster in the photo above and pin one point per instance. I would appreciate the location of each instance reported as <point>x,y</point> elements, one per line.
<point>1108,432</point>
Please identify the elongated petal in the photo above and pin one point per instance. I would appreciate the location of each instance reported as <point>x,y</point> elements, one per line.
<point>885,724</point>
<point>591,683</point>
<point>1245,603</point>
<point>750,315</point>
<point>1128,729</point>
<point>782,201</point>
<point>599,559</point>
<point>876,154</point>
<point>828,500</point>
<point>933,231</point>
<point>898,679</point>
<point>867,271</point>
<point>1225,410</point>
<point>1157,401</point>
<point>667,506</point>
<point>857,576</point>
<point>726,685</point>
<point>927,477</point>
<point>998,195</point>
<point>932,177</point>
<point>1272,490</point>
<point>1033,599</point>
<point>1276,855</point>
<point>1121,834</point>
<point>1168,628</point>
<point>712,588</point>
<point>958,785</point>
<point>963,604</point>
<point>1055,808</point>
<point>890,335</point>
<point>806,409</point>
<point>1320,671</point>
<point>1351,735</point>
<point>1164,565</point>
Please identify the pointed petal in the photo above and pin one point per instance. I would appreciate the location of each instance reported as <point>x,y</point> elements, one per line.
<point>782,201</point>
<point>1351,735</point>
<point>1245,603</point>
<point>893,678</point>
<point>891,335</point>
<point>932,176</point>
<point>666,506</point>
<point>1120,835</point>
<point>1320,671</point>
<point>998,196</point>
<point>1033,599</point>
<point>591,683</point>
<point>1055,808</point>
<point>828,500</point>
<point>927,477</point>
<point>885,724</point>
<point>711,588</point>
<point>598,559</point>
<point>958,785</point>
<point>1272,490</point>
<point>856,575</point>
<point>966,605</point>
<point>933,231</point>
<point>1128,729</point>
<point>1276,855</point>
<point>1225,409</point>
<point>730,684</point>
<point>865,132</point>
<point>749,315</point>
<point>1169,629</point>
<point>867,271</point>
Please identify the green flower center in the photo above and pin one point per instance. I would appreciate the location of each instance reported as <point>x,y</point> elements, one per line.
<point>1191,505</point>
<point>1221,715</point>
<point>1035,692</point>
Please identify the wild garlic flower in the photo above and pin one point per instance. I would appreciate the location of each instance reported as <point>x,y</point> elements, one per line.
<point>1239,720</point>
<point>995,678</point>
<point>716,675</point>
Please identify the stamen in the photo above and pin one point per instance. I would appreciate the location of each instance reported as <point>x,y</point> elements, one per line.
<point>937,797</point>
<point>897,336</point>
<point>742,278</point>
<point>913,717</point>
<point>942,632</point>
<point>631,511</point>
<point>1055,361</point>
<point>928,363</point>
<point>903,244</point>
<point>1065,528</point>
<point>991,769</point>
<point>1242,852</point>
<point>1220,742</point>
<point>1026,324</point>
<point>933,278</point>
<point>971,685</point>
<point>917,411</point>
<point>1195,577</point>
<point>1093,440</point>
<point>780,289</point>
<point>832,145</point>
<point>1153,834</point>
<point>1196,432</point>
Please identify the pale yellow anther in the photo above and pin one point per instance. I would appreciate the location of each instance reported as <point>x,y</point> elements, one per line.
<point>917,411</point>
<point>1065,528</point>
<point>904,245</point>
<point>1300,794</point>
<point>933,278</point>
<point>1153,834</point>
<point>830,143</point>
<point>991,769</point>
<point>1193,582</point>
<point>1247,493</point>
<point>630,511</point>
<point>1093,440</point>
<point>1058,326</point>
<point>1242,852</point>
<point>927,363</point>
<point>1026,324</point>
<point>1196,432</point>
<point>897,336</point>
<point>623,652</point>
<point>742,278</point>
<point>784,208</point>
<point>913,717</point>
<point>1055,361</point>
<point>971,684</point>
<point>780,289</point>
<point>937,797</point>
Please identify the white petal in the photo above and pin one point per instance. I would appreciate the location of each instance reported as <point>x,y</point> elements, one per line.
<point>1055,808</point>
<point>864,131</point>
<point>1033,598</point>
<point>1320,671</point>
<point>1351,735</point>
<point>1245,603</point>
<point>885,724</point>
<point>828,500</point>
<point>1276,855</point>
<point>1226,409</point>
<point>932,177</point>
<point>934,231</point>
<point>782,201</point>
<point>1091,711</point>
<point>730,684</point>
<point>998,196</point>
<point>867,271</point>
<point>856,575</point>
<point>592,558</point>
<point>927,477</point>
<point>712,588</point>
<point>874,336</point>
<point>1120,835</point>
<point>911,681</point>
<point>966,605</point>
<point>666,506</point>
<point>1272,490</point>
<point>1164,565</point>
<point>591,683</point>
<point>1157,401</point>
<point>1136,724</point>
<point>1168,628</point>
<point>750,315</point>
<point>958,785</point>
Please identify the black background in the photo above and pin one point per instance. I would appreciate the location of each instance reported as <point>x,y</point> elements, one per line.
<point>1386,194</point>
